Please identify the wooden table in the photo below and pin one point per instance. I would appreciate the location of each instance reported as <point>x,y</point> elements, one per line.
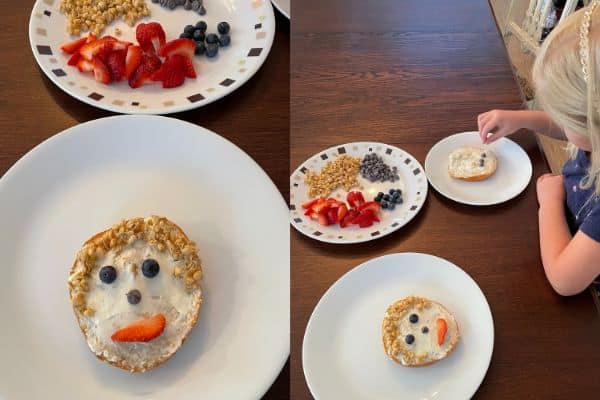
<point>254,117</point>
<point>410,73</point>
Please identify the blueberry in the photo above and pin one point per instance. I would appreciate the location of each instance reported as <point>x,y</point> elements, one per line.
<point>483,155</point>
<point>212,49</point>
<point>481,162</point>
<point>224,40</point>
<point>391,206</point>
<point>202,10</point>
<point>399,191</point>
<point>425,329</point>
<point>108,274</point>
<point>185,35</point>
<point>134,296</point>
<point>150,268</point>
<point>198,35</point>
<point>409,339</point>
<point>196,5</point>
<point>414,318</point>
<point>189,29</point>
<point>212,38</point>
<point>387,197</point>
<point>200,48</point>
<point>187,5</point>
<point>201,25</point>
<point>392,191</point>
<point>398,200</point>
<point>223,28</point>
<point>384,204</point>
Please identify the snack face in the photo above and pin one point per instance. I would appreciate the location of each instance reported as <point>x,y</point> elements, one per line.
<point>472,163</point>
<point>418,332</point>
<point>136,293</point>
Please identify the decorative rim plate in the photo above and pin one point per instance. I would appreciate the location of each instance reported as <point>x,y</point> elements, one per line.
<point>284,7</point>
<point>512,175</point>
<point>413,184</point>
<point>89,177</point>
<point>252,32</point>
<point>342,352</point>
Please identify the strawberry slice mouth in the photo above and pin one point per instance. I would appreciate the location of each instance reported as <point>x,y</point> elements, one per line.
<point>142,330</point>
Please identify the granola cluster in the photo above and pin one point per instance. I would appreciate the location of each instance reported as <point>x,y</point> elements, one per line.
<point>343,171</point>
<point>158,232</point>
<point>92,15</point>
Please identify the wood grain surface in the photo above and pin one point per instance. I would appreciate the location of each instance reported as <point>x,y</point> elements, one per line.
<point>409,74</point>
<point>254,117</point>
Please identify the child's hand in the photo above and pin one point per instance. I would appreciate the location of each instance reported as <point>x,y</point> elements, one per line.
<point>495,124</point>
<point>550,188</point>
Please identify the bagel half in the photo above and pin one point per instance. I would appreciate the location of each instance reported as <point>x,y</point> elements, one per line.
<point>472,163</point>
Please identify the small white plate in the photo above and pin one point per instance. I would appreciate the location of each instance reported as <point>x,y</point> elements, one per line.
<point>89,177</point>
<point>413,184</point>
<point>284,7</point>
<point>252,32</point>
<point>342,353</point>
<point>511,177</point>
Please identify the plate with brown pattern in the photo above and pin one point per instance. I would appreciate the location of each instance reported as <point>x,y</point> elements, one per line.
<point>409,181</point>
<point>252,29</point>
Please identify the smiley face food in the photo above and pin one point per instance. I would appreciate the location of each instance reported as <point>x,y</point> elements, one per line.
<point>136,293</point>
<point>472,163</point>
<point>418,332</point>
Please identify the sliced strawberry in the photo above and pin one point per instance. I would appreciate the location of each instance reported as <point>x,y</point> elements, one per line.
<point>184,47</point>
<point>151,37</point>
<point>143,73</point>
<point>188,67</point>
<point>91,37</point>
<point>364,219</point>
<point>311,214</point>
<point>73,46</point>
<point>98,48</point>
<point>132,60</point>
<point>332,216</point>
<point>323,220</point>
<point>171,73</point>
<point>341,212</point>
<point>373,206</point>
<point>320,205</point>
<point>309,203</point>
<point>74,59</point>
<point>442,328</point>
<point>143,330</point>
<point>355,199</point>
<point>115,62</point>
<point>101,72</point>
<point>84,65</point>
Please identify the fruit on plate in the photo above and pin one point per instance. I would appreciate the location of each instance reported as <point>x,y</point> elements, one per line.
<point>329,211</point>
<point>150,36</point>
<point>143,330</point>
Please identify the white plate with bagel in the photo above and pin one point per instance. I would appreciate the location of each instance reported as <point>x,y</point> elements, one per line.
<point>346,352</point>
<point>462,169</point>
<point>79,185</point>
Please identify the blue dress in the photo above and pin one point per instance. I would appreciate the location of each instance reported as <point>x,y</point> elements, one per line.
<point>583,206</point>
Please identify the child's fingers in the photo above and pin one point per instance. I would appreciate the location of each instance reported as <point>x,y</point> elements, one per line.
<point>487,128</point>
<point>481,125</point>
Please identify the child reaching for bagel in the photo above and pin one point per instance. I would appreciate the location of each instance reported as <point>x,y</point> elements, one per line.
<point>566,76</point>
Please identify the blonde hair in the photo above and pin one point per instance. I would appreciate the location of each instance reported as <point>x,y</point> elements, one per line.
<point>561,90</point>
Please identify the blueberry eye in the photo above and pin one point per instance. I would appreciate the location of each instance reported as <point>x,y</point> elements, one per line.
<point>108,274</point>
<point>150,268</point>
<point>134,296</point>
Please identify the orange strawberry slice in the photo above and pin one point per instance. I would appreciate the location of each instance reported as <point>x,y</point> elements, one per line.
<point>442,328</point>
<point>143,330</point>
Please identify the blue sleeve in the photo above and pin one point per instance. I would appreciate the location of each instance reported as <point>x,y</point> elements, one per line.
<point>591,224</point>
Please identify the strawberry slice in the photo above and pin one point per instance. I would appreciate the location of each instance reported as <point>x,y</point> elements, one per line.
<point>171,73</point>
<point>143,330</point>
<point>355,199</point>
<point>101,72</point>
<point>91,37</point>
<point>73,46</point>
<point>320,205</point>
<point>373,206</point>
<point>143,73</point>
<point>323,220</point>
<point>74,59</point>
<point>310,203</point>
<point>151,37</point>
<point>442,328</point>
<point>188,67</point>
<point>341,212</point>
<point>364,219</point>
<point>97,48</point>
<point>332,216</point>
<point>184,47</point>
<point>115,62</point>
<point>84,65</point>
<point>132,60</point>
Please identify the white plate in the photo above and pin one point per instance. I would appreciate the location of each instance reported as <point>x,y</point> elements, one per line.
<point>252,31</point>
<point>92,175</point>
<point>511,177</point>
<point>283,6</point>
<point>342,353</point>
<point>413,184</point>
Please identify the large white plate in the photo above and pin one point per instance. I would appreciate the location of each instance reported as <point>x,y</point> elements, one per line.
<point>413,184</point>
<point>511,177</point>
<point>342,353</point>
<point>92,175</point>
<point>252,31</point>
<point>284,7</point>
